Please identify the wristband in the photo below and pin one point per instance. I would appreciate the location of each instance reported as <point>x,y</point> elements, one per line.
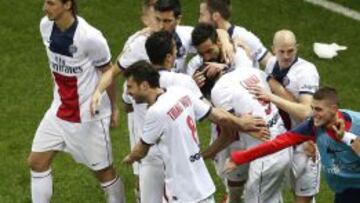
<point>348,138</point>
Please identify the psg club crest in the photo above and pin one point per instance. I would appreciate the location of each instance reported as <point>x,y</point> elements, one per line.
<point>285,81</point>
<point>72,49</point>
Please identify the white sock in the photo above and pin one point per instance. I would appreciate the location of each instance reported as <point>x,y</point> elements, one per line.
<point>114,191</point>
<point>235,194</point>
<point>41,186</point>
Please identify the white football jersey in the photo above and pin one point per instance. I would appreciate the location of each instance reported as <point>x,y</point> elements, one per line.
<point>171,124</point>
<point>184,47</point>
<point>134,49</point>
<point>257,49</point>
<point>301,78</point>
<point>231,94</point>
<point>241,59</point>
<point>167,79</point>
<point>75,57</point>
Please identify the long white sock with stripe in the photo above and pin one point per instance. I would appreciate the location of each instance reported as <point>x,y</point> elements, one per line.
<point>114,191</point>
<point>41,186</point>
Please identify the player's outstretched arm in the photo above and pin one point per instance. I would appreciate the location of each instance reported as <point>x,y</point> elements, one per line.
<point>279,90</point>
<point>266,58</point>
<point>244,123</point>
<point>282,141</point>
<point>227,48</point>
<point>139,151</point>
<point>300,110</point>
<point>106,80</point>
<point>225,138</point>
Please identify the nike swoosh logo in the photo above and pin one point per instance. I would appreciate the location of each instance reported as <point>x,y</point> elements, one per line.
<point>95,164</point>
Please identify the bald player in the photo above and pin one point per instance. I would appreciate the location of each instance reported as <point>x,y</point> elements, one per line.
<point>293,82</point>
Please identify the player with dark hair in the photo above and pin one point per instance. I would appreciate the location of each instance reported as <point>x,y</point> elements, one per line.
<point>209,48</point>
<point>229,78</point>
<point>170,127</point>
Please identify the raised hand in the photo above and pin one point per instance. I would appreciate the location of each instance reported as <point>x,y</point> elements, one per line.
<point>260,93</point>
<point>339,128</point>
<point>252,123</point>
<point>199,77</point>
<point>128,160</point>
<point>263,134</point>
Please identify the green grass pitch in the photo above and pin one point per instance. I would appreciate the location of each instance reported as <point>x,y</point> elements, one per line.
<point>26,86</point>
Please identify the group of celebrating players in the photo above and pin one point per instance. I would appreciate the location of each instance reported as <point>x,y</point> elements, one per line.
<point>269,129</point>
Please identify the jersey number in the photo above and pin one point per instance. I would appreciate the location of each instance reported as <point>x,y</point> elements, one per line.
<point>191,124</point>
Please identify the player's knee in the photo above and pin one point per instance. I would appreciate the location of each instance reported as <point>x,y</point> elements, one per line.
<point>37,164</point>
<point>236,183</point>
<point>106,174</point>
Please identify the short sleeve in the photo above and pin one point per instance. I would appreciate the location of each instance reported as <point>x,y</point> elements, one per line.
<point>242,59</point>
<point>153,127</point>
<point>222,98</point>
<point>191,85</point>
<point>308,81</point>
<point>193,65</point>
<point>126,97</point>
<point>258,50</point>
<point>132,52</point>
<point>270,65</point>
<point>98,50</point>
<point>201,108</point>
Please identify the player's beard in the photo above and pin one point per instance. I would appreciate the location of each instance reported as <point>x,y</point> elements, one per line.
<point>139,99</point>
<point>53,17</point>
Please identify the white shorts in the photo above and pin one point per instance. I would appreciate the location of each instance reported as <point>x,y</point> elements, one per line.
<point>206,200</point>
<point>152,176</point>
<point>241,172</point>
<point>266,178</point>
<point>304,173</point>
<point>152,182</point>
<point>89,142</point>
<point>133,139</point>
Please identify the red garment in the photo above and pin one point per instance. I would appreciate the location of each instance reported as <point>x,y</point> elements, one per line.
<point>282,141</point>
<point>302,133</point>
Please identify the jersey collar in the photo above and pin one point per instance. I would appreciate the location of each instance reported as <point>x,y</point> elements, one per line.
<point>279,74</point>
<point>162,69</point>
<point>231,30</point>
<point>180,50</point>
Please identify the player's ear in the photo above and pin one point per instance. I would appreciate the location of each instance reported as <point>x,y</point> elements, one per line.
<point>178,19</point>
<point>144,85</point>
<point>168,57</point>
<point>334,108</point>
<point>67,5</point>
<point>215,16</point>
<point>273,49</point>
